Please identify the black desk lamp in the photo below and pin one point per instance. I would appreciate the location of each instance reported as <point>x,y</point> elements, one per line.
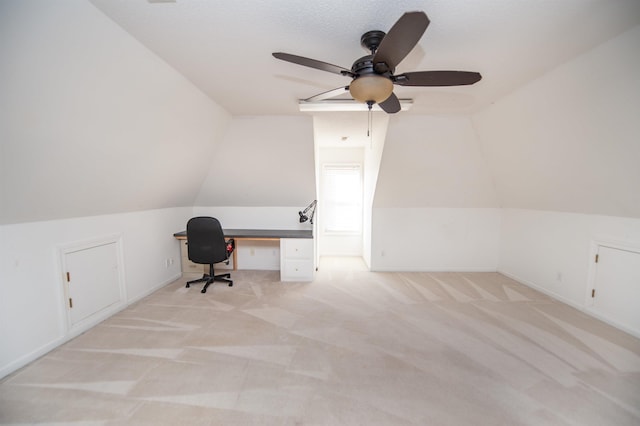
<point>305,215</point>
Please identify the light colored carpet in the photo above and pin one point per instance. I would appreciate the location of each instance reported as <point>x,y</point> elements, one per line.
<point>352,348</point>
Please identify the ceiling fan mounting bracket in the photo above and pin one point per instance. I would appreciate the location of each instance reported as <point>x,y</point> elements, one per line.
<point>371,40</point>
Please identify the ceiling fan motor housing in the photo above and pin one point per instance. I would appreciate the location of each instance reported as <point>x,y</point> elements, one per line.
<point>365,65</point>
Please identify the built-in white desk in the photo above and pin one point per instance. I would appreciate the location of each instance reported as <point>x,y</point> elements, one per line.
<point>297,258</point>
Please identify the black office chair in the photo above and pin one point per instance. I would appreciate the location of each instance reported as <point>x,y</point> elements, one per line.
<point>206,245</point>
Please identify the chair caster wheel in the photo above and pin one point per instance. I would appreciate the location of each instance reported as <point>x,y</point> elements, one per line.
<point>188,286</point>
<point>230,284</point>
<point>203,290</point>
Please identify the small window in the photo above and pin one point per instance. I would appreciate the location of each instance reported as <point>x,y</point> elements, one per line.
<point>342,196</point>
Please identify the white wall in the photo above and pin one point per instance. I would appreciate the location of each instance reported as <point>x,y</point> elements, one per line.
<point>552,251</point>
<point>260,175</point>
<point>436,239</point>
<point>435,206</point>
<point>32,307</point>
<point>568,141</point>
<point>255,217</point>
<point>91,121</point>
<point>564,152</point>
<point>433,161</point>
<point>98,137</point>
<point>262,161</point>
<point>372,160</point>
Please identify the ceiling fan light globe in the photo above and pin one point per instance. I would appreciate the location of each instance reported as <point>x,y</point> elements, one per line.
<point>371,88</point>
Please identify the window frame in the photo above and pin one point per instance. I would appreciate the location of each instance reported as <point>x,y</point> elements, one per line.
<point>328,204</point>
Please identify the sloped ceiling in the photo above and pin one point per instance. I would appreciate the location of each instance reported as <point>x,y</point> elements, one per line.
<point>92,122</point>
<point>272,164</point>
<point>224,47</point>
<point>433,162</point>
<point>569,141</point>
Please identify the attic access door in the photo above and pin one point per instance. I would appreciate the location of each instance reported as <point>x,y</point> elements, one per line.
<point>615,293</point>
<point>92,280</point>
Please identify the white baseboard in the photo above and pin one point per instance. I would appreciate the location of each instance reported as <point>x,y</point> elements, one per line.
<point>76,331</point>
<point>435,269</point>
<point>541,289</point>
<point>582,308</point>
<point>154,288</point>
<point>30,357</point>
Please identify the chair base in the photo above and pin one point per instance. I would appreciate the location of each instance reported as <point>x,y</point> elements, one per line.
<point>209,278</point>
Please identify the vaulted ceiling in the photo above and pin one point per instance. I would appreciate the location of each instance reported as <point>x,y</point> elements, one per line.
<point>95,122</point>
<point>224,47</point>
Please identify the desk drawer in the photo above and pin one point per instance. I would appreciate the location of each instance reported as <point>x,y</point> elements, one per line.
<point>297,248</point>
<point>296,259</point>
<point>297,270</point>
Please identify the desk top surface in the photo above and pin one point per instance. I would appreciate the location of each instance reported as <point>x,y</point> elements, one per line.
<point>259,233</point>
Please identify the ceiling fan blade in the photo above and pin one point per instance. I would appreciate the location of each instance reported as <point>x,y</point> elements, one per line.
<point>400,40</point>
<point>328,94</point>
<point>437,78</point>
<point>312,63</point>
<point>391,105</point>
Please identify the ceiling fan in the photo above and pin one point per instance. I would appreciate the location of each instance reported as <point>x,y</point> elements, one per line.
<point>372,75</point>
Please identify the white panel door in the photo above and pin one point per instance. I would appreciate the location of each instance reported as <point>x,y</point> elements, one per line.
<point>92,280</point>
<point>617,287</point>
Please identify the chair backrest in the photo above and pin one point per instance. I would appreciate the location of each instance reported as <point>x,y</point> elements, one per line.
<point>205,240</point>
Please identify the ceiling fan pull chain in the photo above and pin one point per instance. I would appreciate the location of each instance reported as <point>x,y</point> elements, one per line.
<point>370,130</point>
<point>369,119</point>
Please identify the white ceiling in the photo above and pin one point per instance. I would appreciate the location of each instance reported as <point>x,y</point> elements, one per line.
<point>224,47</point>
